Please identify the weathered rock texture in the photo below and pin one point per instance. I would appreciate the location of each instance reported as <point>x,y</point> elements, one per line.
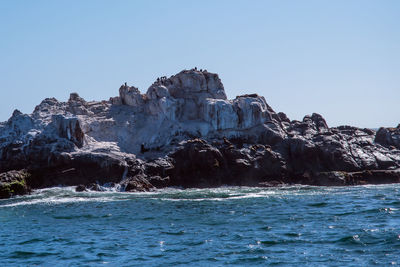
<point>14,183</point>
<point>185,132</point>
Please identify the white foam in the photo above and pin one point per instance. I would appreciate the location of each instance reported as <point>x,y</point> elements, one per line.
<point>61,195</point>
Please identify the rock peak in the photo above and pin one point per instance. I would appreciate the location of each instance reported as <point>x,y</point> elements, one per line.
<point>193,84</point>
<point>130,95</point>
<point>73,97</point>
<point>16,113</point>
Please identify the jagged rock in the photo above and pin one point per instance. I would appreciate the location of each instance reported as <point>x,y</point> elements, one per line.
<point>334,178</point>
<point>388,137</point>
<point>130,96</point>
<point>77,105</point>
<point>80,188</point>
<point>319,123</point>
<point>80,168</point>
<point>115,100</point>
<point>14,183</point>
<point>159,167</point>
<point>158,181</point>
<point>49,106</point>
<point>138,183</point>
<point>185,132</point>
<point>74,97</point>
<point>192,84</point>
<point>94,187</point>
<point>69,128</point>
<point>157,91</point>
<point>196,163</point>
<point>252,111</point>
<point>160,103</point>
<point>220,114</point>
<point>283,117</point>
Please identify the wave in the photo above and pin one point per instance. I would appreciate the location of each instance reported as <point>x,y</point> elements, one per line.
<point>62,195</point>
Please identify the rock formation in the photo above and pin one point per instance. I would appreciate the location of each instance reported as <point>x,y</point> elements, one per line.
<point>14,183</point>
<point>185,132</point>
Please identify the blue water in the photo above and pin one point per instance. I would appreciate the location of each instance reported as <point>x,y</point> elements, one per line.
<point>317,226</point>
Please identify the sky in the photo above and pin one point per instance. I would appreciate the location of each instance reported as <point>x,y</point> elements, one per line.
<point>339,58</point>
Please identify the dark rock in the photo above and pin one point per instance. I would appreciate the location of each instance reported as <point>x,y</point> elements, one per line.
<point>83,168</point>
<point>272,183</point>
<point>158,181</point>
<point>197,164</point>
<point>388,137</point>
<point>319,122</point>
<point>283,117</point>
<point>137,183</point>
<point>80,188</point>
<point>159,167</point>
<point>14,183</point>
<point>334,178</point>
<point>248,95</point>
<point>374,177</point>
<point>94,187</point>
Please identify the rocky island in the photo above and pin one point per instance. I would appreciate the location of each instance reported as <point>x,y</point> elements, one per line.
<point>185,132</point>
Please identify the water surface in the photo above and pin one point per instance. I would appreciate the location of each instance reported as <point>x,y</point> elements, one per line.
<point>318,226</point>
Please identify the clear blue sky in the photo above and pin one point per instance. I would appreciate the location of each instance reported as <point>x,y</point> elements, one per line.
<point>337,58</point>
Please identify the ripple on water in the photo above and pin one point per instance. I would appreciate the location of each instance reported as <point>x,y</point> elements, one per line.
<point>20,254</point>
<point>318,205</point>
<point>202,227</point>
<point>174,233</point>
<point>31,241</point>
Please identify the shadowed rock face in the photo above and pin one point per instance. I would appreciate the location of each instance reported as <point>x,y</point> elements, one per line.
<point>388,137</point>
<point>185,132</point>
<point>14,183</point>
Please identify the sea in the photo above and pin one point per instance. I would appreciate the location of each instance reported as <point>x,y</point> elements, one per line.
<point>227,226</point>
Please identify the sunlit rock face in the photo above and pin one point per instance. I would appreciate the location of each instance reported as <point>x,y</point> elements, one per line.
<point>196,85</point>
<point>130,96</point>
<point>191,103</point>
<point>69,128</point>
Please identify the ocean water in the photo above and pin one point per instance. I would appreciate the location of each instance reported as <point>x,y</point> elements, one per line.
<point>229,226</point>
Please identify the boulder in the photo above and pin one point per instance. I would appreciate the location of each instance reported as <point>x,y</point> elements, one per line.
<point>14,183</point>
<point>131,96</point>
<point>138,183</point>
<point>196,164</point>
<point>388,137</point>
<point>157,91</point>
<point>80,188</point>
<point>197,85</point>
<point>77,105</point>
